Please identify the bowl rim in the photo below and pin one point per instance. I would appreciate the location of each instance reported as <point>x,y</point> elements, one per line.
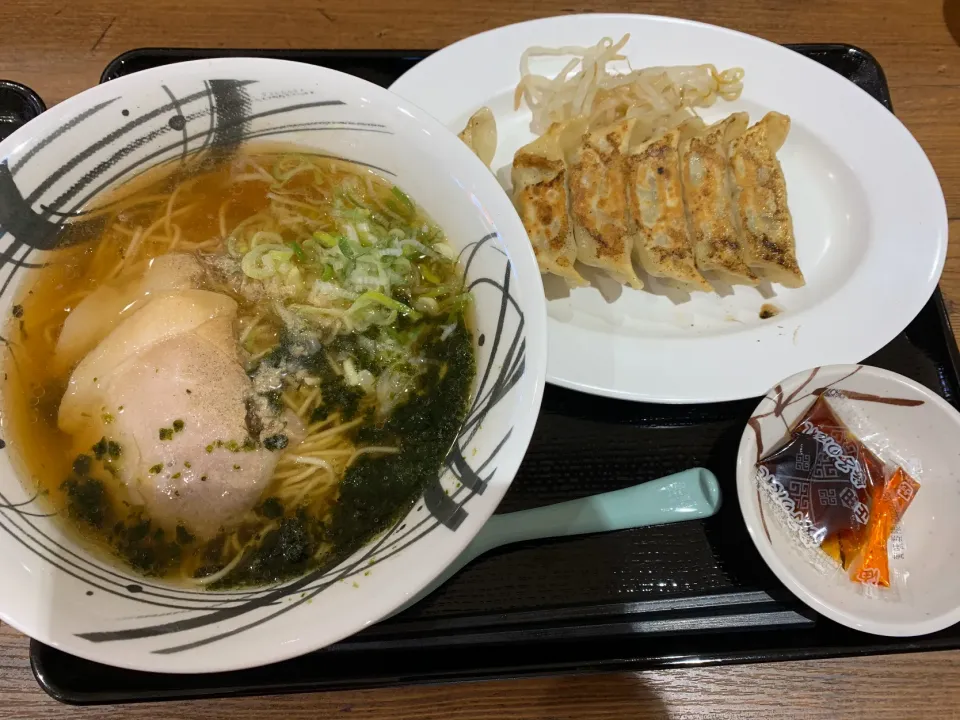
<point>512,237</point>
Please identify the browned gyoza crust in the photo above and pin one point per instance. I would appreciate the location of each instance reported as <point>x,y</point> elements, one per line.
<point>761,201</point>
<point>598,202</point>
<point>708,195</point>
<point>540,194</point>
<point>658,222</point>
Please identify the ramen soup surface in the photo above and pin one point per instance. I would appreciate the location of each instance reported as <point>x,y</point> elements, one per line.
<point>248,370</point>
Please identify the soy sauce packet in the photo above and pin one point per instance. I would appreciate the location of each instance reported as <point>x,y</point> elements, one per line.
<point>842,490</point>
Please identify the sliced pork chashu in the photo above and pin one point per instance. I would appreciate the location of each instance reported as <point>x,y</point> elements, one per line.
<point>168,386</point>
<point>100,311</point>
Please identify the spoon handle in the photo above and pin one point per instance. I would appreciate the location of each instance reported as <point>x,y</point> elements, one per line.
<point>686,495</point>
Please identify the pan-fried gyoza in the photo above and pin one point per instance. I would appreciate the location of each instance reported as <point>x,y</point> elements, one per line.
<point>540,193</point>
<point>717,243</point>
<point>626,176</point>
<point>662,244</point>
<point>761,201</point>
<point>598,202</point>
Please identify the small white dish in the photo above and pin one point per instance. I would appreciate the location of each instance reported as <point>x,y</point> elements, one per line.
<point>920,423</point>
<point>56,591</point>
<point>869,215</point>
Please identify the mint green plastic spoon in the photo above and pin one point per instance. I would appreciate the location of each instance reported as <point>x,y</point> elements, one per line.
<point>687,495</point>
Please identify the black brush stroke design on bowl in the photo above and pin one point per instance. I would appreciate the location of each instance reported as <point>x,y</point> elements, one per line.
<point>217,120</point>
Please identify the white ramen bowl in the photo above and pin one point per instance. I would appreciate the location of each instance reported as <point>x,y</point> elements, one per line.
<point>923,430</point>
<point>57,592</point>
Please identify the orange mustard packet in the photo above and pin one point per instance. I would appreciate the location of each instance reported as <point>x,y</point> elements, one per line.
<point>872,566</point>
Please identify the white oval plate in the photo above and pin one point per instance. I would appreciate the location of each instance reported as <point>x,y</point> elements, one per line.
<point>921,425</point>
<point>870,219</point>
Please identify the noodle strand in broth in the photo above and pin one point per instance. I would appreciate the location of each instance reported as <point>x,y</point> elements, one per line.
<point>351,329</point>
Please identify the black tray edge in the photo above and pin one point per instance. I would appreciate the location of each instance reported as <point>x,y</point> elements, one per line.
<point>114,69</point>
<point>947,324</point>
<point>29,94</point>
<point>621,663</point>
<point>868,56</point>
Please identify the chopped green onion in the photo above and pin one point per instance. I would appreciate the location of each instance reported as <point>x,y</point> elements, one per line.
<point>327,273</point>
<point>407,208</point>
<point>436,292</point>
<point>428,274</point>
<point>298,251</point>
<point>445,250</point>
<point>458,302</point>
<point>358,214</point>
<point>345,248</point>
<point>325,239</point>
<point>389,303</point>
<point>353,198</point>
<point>428,235</point>
<point>263,260</point>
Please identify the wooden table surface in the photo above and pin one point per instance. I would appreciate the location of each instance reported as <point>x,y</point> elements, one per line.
<point>59,47</point>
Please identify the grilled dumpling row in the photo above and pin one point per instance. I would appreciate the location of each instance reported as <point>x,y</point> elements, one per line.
<point>696,199</point>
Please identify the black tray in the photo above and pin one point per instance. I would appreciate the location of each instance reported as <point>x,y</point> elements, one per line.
<point>690,593</point>
<point>18,104</point>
